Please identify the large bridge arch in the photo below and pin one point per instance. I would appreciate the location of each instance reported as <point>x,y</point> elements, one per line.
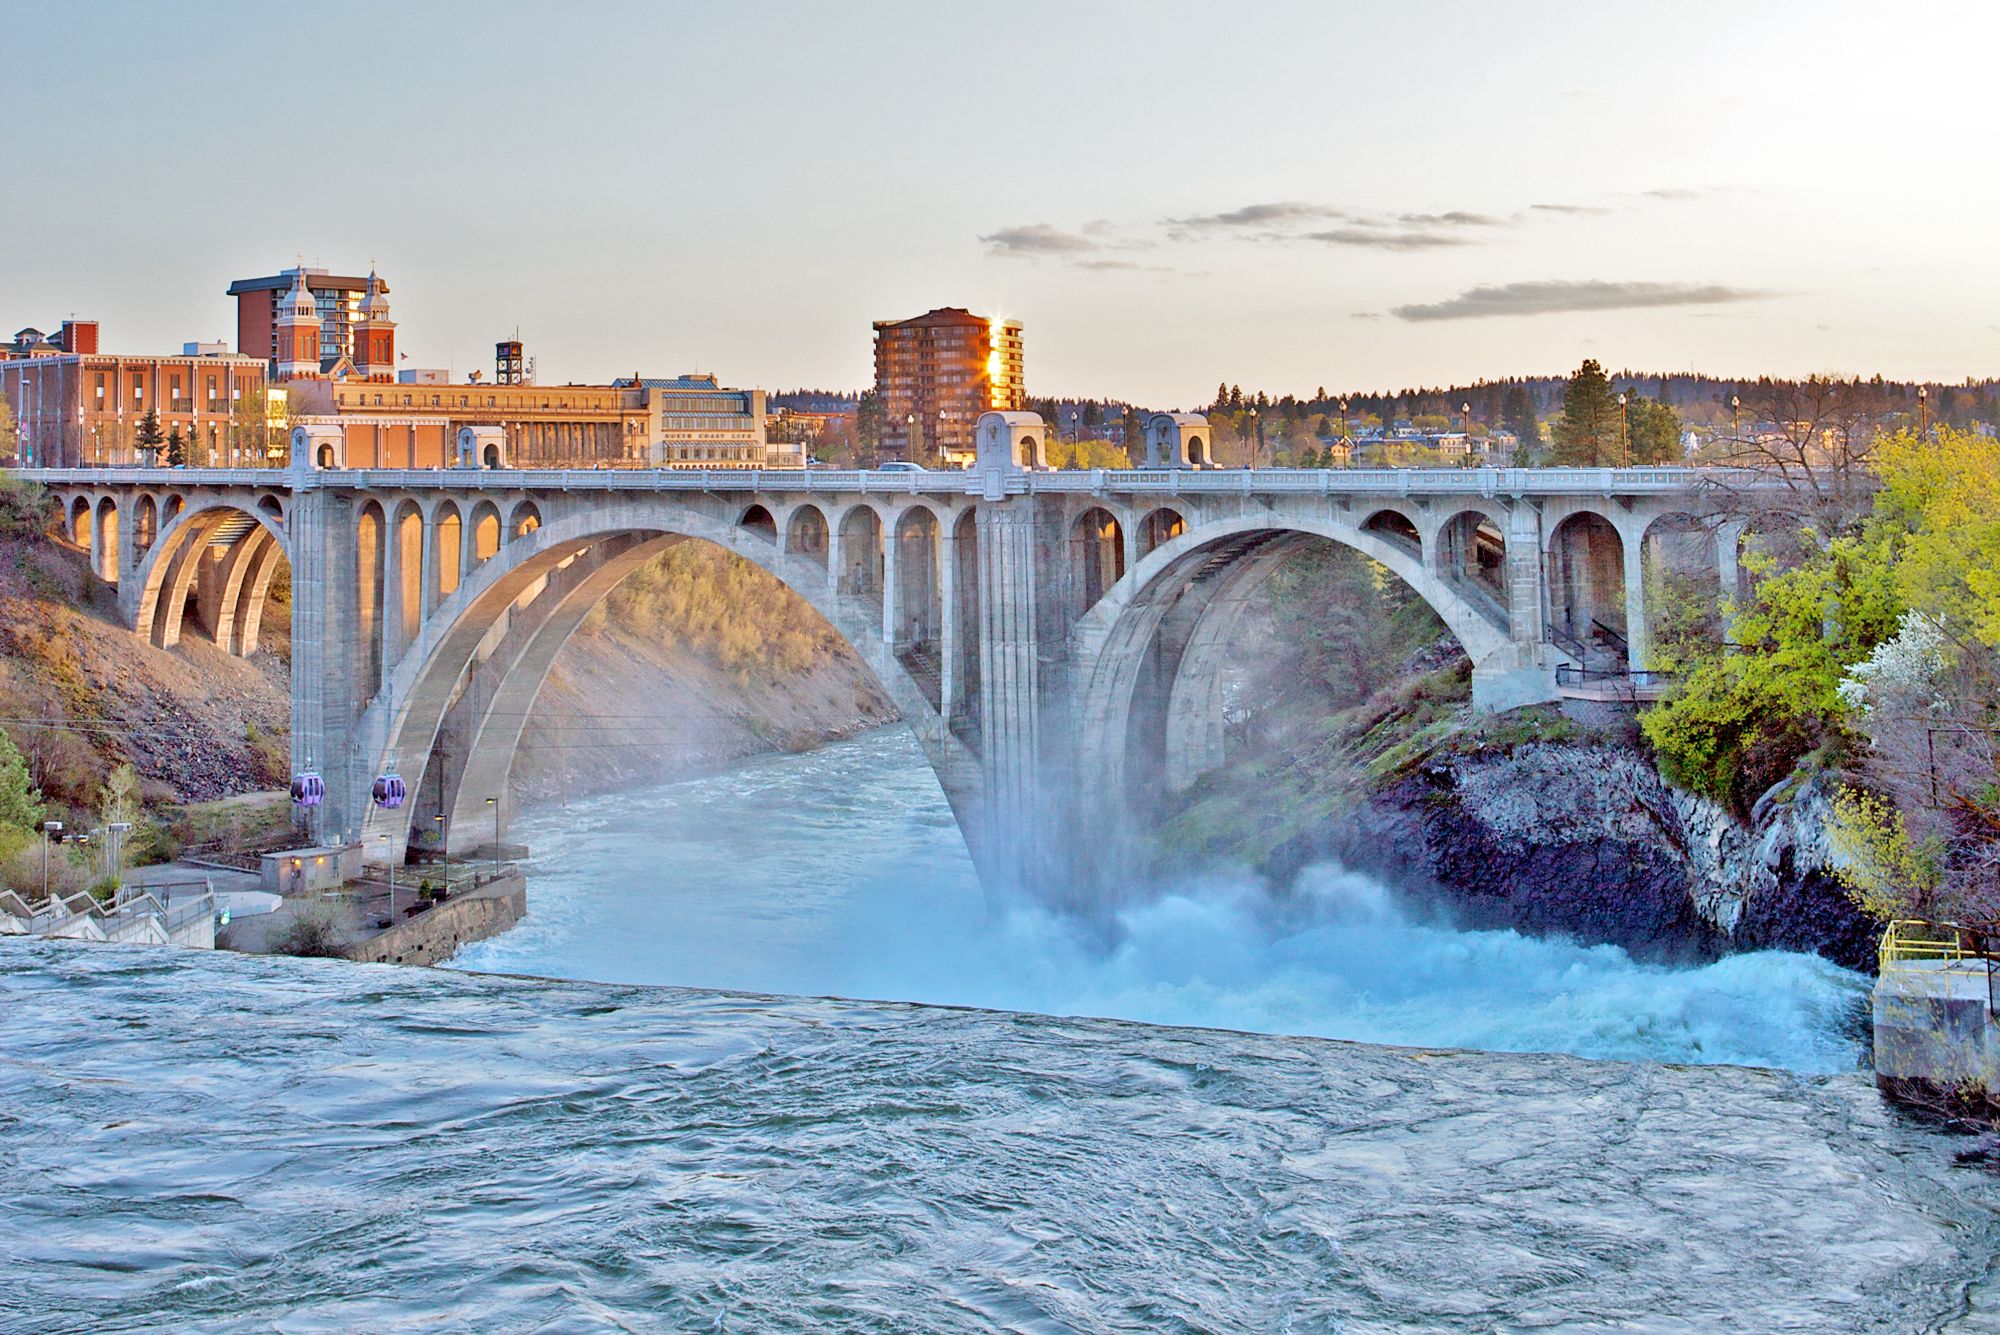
<point>1160,637</point>
<point>515,610</point>
<point>171,565</point>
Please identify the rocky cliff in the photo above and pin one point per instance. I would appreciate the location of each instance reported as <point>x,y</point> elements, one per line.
<point>1530,820</point>
<point>1584,838</point>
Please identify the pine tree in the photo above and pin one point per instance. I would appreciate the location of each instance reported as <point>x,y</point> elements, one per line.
<point>1517,414</point>
<point>20,800</point>
<point>150,435</point>
<point>1653,431</point>
<point>1586,435</point>
<point>1221,398</point>
<point>176,449</point>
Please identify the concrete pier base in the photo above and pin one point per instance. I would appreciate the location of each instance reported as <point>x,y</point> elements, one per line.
<point>1935,1027</point>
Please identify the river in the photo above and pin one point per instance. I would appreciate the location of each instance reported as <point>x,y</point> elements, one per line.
<point>192,1141</point>
<point>201,1142</point>
<point>840,873</point>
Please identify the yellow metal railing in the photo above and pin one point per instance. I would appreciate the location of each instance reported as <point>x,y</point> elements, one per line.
<point>1910,942</point>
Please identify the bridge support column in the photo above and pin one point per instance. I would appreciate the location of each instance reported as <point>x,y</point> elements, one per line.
<point>330,653</point>
<point>1010,684</point>
<point>1517,674</point>
<point>392,592</point>
<point>891,623</point>
<point>948,684</point>
<point>1639,643</point>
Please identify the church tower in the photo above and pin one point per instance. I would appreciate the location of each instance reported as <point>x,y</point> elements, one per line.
<point>298,331</point>
<point>375,335</point>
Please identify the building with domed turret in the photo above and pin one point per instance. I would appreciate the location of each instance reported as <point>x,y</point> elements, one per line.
<point>336,301</point>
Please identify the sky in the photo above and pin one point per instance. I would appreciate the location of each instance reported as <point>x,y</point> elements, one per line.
<point>1168,194</point>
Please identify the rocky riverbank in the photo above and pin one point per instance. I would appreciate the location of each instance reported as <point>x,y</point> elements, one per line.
<point>1529,821</point>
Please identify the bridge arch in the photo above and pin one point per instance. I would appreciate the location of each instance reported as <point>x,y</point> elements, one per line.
<point>481,658</point>
<point>104,554</point>
<point>806,533</point>
<point>1160,527</point>
<point>759,520</point>
<point>196,551</point>
<point>1151,654</point>
<point>1096,557</point>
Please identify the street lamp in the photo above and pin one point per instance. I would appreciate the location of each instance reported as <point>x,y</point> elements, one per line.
<point>1257,448</point>
<point>116,851</point>
<point>444,844</point>
<point>1923,411</point>
<point>389,857</point>
<point>1465,409</point>
<point>494,802</point>
<point>49,827</point>
<point>1736,419</point>
<point>1624,441</point>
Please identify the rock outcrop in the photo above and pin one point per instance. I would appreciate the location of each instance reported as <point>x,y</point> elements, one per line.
<point>1586,839</point>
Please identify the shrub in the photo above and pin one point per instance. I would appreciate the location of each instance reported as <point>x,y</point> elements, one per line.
<point>311,934</point>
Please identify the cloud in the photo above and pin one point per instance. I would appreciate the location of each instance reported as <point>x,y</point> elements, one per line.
<point>1455,218</point>
<point>1260,215</point>
<point>1382,239</point>
<point>1550,298</point>
<point>1674,195</point>
<point>1031,240</point>
<point>1121,266</point>
<point>1571,210</point>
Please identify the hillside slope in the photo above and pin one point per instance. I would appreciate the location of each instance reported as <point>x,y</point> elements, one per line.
<point>694,664</point>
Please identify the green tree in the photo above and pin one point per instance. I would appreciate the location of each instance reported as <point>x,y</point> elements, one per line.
<point>150,436</point>
<point>868,423</point>
<point>1586,435</point>
<point>1741,721</point>
<point>1517,414</point>
<point>1653,430</point>
<point>8,441</point>
<point>176,449</point>
<point>20,800</point>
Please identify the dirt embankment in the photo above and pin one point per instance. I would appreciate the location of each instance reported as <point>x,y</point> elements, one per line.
<point>635,697</point>
<point>624,707</point>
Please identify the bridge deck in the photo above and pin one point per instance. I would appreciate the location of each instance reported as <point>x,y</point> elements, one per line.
<point>1163,481</point>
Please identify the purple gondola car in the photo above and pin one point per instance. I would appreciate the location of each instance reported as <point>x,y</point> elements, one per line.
<point>307,790</point>
<point>389,791</point>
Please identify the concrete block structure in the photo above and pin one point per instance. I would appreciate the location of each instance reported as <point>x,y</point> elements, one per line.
<point>1057,640</point>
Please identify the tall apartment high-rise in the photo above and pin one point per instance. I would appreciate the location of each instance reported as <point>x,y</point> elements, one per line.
<point>337,301</point>
<point>936,373</point>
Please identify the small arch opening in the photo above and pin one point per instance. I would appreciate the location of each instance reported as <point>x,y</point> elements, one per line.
<point>760,521</point>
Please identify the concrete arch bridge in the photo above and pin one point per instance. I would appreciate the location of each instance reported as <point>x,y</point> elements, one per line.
<point>1034,627</point>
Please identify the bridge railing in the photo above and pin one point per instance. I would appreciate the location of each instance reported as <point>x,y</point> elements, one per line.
<point>1663,480</point>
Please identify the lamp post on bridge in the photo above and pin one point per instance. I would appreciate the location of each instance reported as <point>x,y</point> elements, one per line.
<point>1257,446</point>
<point>1923,411</point>
<point>1624,440</point>
<point>494,802</point>
<point>1736,420</point>
<point>1465,411</point>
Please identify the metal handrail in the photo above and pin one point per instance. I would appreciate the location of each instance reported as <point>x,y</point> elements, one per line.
<point>1909,944</point>
<point>1568,675</point>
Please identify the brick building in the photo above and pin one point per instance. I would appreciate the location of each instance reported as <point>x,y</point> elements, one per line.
<point>336,301</point>
<point>936,373</point>
<point>682,422</point>
<point>80,409</point>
